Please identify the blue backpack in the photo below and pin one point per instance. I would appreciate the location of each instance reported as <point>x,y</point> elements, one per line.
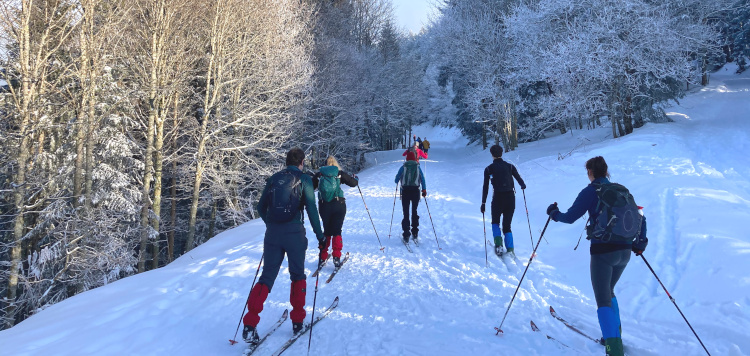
<point>284,196</point>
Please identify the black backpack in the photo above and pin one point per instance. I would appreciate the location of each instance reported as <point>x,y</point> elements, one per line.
<point>284,196</point>
<point>619,219</point>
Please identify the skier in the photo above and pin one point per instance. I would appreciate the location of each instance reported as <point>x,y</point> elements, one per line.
<point>284,197</point>
<point>332,206</point>
<point>411,177</point>
<point>414,153</point>
<point>501,174</point>
<point>419,144</point>
<point>425,145</point>
<point>609,255</point>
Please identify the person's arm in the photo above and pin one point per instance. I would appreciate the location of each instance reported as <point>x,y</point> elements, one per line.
<point>263,202</point>
<point>421,154</point>
<point>584,200</point>
<point>308,196</point>
<point>486,186</point>
<point>405,152</point>
<point>348,180</point>
<point>398,175</point>
<point>421,177</point>
<point>316,180</point>
<point>514,171</point>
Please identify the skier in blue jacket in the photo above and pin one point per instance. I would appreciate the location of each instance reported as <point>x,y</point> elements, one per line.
<point>608,259</point>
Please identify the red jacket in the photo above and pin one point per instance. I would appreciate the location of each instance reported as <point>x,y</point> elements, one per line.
<point>410,156</point>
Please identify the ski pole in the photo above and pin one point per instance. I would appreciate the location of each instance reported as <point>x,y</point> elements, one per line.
<point>531,238</point>
<point>484,226</point>
<point>675,304</point>
<point>433,224</point>
<point>499,328</point>
<point>368,214</point>
<point>312,319</point>
<point>395,194</point>
<point>233,341</point>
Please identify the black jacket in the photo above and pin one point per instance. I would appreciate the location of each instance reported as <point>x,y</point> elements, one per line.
<point>501,174</point>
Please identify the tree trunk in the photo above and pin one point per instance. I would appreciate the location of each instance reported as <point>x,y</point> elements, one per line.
<point>158,166</point>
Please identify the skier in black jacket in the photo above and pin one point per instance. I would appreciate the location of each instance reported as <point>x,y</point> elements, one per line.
<point>501,174</point>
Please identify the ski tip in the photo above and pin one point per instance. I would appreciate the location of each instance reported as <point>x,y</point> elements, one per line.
<point>551,309</point>
<point>499,332</point>
<point>533,326</point>
<point>286,313</point>
<point>232,342</point>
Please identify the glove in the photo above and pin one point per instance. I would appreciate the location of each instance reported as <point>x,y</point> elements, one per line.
<point>552,209</point>
<point>637,251</point>
<point>523,187</point>
<point>321,239</point>
<point>482,208</point>
<point>424,192</point>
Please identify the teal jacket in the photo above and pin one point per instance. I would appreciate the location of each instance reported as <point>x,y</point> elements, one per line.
<point>308,198</point>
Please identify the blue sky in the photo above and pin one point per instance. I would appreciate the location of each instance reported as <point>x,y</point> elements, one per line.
<point>412,14</point>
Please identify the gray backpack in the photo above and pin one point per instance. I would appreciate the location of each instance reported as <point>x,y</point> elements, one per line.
<point>619,220</point>
<point>411,176</point>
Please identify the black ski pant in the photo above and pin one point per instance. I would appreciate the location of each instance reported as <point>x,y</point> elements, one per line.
<point>283,239</point>
<point>503,203</point>
<point>606,269</point>
<point>332,215</point>
<point>410,196</point>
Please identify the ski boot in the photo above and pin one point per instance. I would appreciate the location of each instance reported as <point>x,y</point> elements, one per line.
<point>321,262</point>
<point>250,335</point>
<point>296,328</point>
<point>336,261</point>
<point>499,250</point>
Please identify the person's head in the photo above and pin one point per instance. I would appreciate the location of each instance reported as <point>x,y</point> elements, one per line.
<point>331,161</point>
<point>496,151</point>
<point>295,157</point>
<point>416,144</point>
<point>597,168</point>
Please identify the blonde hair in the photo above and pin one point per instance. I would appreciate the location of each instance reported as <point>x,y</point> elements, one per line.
<point>331,161</point>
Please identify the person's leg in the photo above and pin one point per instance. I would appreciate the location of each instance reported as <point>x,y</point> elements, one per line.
<point>337,224</point>
<point>495,211</point>
<point>617,269</point>
<point>273,254</point>
<point>295,244</point>
<point>509,207</point>
<point>414,215</point>
<point>324,209</point>
<point>405,221</point>
<point>601,279</point>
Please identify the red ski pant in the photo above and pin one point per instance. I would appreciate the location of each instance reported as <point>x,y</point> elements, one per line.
<point>338,244</point>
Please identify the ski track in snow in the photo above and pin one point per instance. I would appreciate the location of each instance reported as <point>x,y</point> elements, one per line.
<point>690,175</point>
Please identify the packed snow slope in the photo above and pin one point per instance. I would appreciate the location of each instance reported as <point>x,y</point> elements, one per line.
<point>691,176</point>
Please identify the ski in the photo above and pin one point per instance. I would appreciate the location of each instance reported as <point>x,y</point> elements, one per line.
<point>315,274</point>
<point>535,328</point>
<point>407,245</point>
<point>252,347</point>
<point>306,328</point>
<point>569,325</point>
<point>416,241</point>
<point>336,270</point>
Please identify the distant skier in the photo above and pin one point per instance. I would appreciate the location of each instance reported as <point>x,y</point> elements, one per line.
<point>616,227</point>
<point>501,174</point>
<point>284,197</point>
<point>419,144</point>
<point>425,145</point>
<point>411,177</point>
<point>414,153</point>
<point>332,206</point>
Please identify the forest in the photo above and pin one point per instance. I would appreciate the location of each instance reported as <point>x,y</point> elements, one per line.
<point>132,131</point>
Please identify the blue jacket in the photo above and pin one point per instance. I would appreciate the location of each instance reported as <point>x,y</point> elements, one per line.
<point>587,201</point>
<point>421,176</point>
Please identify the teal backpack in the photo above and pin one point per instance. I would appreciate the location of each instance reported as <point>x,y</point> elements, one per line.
<point>411,176</point>
<point>330,184</point>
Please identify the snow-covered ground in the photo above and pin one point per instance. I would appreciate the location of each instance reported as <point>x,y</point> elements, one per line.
<point>691,176</point>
